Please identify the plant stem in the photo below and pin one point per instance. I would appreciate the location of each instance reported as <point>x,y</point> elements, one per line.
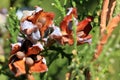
<point>111,26</point>
<point>103,16</point>
<point>111,9</point>
<point>30,77</point>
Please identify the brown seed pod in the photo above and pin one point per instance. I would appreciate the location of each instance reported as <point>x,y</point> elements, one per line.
<point>20,55</point>
<point>29,61</point>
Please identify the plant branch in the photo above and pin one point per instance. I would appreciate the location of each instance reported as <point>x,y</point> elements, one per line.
<point>111,7</point>
<point>104,16</point>
<point>111,26</point>
<point>30,77</point>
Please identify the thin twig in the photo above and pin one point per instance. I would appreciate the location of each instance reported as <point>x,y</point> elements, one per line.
<point>104,16</point>
<point>30,77</point>
<point>112,5</point>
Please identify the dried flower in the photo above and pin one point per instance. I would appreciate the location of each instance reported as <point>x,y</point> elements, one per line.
<point>27,57</point>
<point>83,28</point>
<point>40,31</point>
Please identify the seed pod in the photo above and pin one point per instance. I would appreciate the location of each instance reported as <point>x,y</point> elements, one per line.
<point>20,55</point>
<point>29,61</point>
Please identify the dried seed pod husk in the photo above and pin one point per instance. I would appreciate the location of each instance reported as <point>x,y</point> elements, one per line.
<point>29,61</point>
<point>20,55</point>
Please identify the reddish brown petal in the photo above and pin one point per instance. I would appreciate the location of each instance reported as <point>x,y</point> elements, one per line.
<point>15,49</point>
<point>83,24</point>
<point>39,67</point>
<point>73,12</point>
<point>33,50</point>
<point>18,67</point>
<point>63,26</point>
<point>49,21</point>
<point>87,29</point>
<point>86,39</point>
<point>34,17</point>
<point>67,39</point>
<point>71,41</point>
<point>80,34</point>
<point>67,19</point>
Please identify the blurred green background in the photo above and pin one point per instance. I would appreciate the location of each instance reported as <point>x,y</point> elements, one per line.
<point>107,67</point>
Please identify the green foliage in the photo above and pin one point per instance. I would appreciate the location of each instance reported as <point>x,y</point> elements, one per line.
<point>117,9</point>
<point>74,59</point>
<point>60,7</point>
<point>13,25</point>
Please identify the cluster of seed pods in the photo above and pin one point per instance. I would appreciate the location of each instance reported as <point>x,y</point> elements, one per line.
<point>39,30</point>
